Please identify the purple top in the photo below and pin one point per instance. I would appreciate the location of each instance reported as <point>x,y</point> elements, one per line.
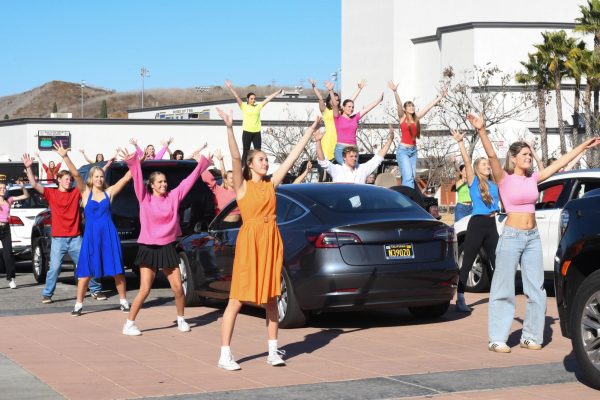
<point>5,210</point>
<point>159,218</point>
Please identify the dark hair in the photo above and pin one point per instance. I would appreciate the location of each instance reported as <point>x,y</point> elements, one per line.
<point>62,173</point>
<point>152,178</point>
<point>328,100</point>
<point>250,94</point>
<point>349,149</point>
<point>177,153</point>
<point>101,156</point>
<point>462,166</point>
<point>247,174</point>
<point>550,161</point>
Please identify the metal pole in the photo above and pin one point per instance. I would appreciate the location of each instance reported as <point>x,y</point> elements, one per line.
<point>82,86</point>
<point>144,72</point>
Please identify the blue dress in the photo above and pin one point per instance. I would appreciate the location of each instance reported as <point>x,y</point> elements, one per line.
<point>101,248</point>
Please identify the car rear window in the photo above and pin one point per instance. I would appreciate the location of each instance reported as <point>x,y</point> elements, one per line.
<point>362,198</point>
<point>35,200</point>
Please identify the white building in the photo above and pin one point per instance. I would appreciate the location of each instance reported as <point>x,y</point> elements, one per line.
<point>412,42</point>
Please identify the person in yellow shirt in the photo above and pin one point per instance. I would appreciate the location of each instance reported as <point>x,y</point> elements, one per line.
<point>251,122</point>
<point>330,138</point>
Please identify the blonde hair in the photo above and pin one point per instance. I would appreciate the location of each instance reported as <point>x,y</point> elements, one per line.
<point>89,181</point>
<point>484,186</point>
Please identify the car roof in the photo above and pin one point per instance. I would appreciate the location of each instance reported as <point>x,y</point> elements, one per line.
<point>307,189</point>
<point>576,173</point>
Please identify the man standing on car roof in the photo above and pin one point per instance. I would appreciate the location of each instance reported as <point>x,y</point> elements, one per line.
<point>351,171</point>
<point>66,225</point>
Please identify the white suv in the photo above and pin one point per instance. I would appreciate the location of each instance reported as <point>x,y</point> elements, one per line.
<point>555,192</point>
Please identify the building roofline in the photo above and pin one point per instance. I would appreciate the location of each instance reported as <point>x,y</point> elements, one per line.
<point>311,99</point>
<point>491,24</point>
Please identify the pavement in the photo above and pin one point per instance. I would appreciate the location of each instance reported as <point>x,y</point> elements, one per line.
<point>47,354</point>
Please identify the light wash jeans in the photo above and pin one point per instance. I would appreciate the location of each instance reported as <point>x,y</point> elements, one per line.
<point>406,157</point>
<point>462,210</point>
<point>525,247</point>
<point>58,248</point>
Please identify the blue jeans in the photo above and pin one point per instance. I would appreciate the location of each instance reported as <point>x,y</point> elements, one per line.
<point>337,153</point>
<point>462,210</point>
<point>406,157</point>
<point>58,248</point>
<point>525,247</point>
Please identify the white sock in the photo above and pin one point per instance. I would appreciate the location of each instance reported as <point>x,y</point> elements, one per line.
<point>225,351</point>
<point>180,319</point>
<point>460,297</point>
<point>78,306</point>
<point>129,323</point>
<point>124,302</point>
<point>272,344</point>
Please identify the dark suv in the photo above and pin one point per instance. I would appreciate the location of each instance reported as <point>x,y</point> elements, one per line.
<point>577,281</point>
<point>196,211</point>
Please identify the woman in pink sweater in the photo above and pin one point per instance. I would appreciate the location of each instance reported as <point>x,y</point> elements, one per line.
<point>159,228</point>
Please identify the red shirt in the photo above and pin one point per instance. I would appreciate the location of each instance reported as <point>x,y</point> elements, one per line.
<point>66,218</point>
<point>409,133</point>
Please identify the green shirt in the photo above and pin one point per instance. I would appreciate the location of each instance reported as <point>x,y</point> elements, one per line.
<point>251,121</point>
<point>463,193</point>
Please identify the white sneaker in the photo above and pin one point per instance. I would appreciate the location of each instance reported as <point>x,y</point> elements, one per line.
<point>131,330</point>
<point>183,326</point>
<point>12,284</point>
<point>498,347</point>
<point>275,359</point>
<point>530,344</point>
<point>228,363</point>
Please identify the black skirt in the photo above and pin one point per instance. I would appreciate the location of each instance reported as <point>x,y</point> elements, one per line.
<point>157,256</point>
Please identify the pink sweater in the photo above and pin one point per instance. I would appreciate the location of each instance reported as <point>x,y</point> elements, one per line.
<point>159,218</point>
<point>158,156</point>
<point>222,195</point>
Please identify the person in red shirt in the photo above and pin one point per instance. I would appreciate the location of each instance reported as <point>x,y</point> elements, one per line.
<point>51,169</point>
<point>66,222</point>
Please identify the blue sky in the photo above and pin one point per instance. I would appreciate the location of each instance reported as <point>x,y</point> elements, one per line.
<point>182,43</point>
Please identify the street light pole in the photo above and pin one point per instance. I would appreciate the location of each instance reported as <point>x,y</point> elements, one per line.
<point>201,90</point>
<point>144,72</point>
<point>82,86</point>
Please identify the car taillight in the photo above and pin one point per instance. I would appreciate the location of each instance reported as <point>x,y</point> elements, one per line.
<point>446,234</point>
<point>564,221</point>
<point>15,221</point>
<point>332,239</point>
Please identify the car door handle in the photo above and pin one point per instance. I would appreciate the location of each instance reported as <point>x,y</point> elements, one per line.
<point>540,217</point>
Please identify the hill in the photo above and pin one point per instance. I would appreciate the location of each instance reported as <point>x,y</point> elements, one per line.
<point>39,102</point>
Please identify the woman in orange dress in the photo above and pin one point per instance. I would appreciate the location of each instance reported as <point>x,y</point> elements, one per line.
<point>259,248</point>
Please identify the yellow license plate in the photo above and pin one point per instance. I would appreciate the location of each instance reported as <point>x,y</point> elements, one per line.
<point>399,251</point>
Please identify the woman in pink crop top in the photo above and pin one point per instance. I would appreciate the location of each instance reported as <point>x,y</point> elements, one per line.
<point>346,123</point>
<point>5,237</point>
<point>520,241</point>
<point>410,128</point>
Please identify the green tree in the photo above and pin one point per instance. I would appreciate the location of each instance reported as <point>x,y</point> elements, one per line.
<point>103,110</point>
<point>555,49</point>
<point>6,116</point>
<point>590,66</point>
<point>575,70</point>
<point>537,75</point>
<point>589,22</point>
<point>54,108</point>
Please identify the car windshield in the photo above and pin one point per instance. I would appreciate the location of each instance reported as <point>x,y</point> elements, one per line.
<point>352,198</point>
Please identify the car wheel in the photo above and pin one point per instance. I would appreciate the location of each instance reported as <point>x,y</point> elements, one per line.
<point>585,323</point>
<point>479,278</point>
<point>39,264</point>
<point>290,313</point>
<point>434,311</point>
<point>187,282</point>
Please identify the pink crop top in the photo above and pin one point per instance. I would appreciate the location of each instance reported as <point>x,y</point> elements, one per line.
<point>5,210</point>
<point>346,128</point>
<point>519,193</point>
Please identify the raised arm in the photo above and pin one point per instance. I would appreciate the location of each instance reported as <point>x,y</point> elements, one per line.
<point>139,153</point>
<point>236,158</point>
<point>285,166</point>
<point>479,124</point>
<point>64,153</point>
<point>421,113</point>
<point>87,159</point>
<point>233,92</point>
<point>573,162</point>
<point>360,87</point>
<point>317,136</point>
<point>186,184</point>
<point>459,137</point>
<point>565,159</point>
<point>24,196</point>
<point>135,168</point>
<point>371,106</point>
<point>394,87</point>
<point>335,104</point>
<point>271,97</point>
<point>322,105</point>
<point>219,156</point>
<point>117,187</point>
<point>302,176</point>
<point>390,139</point>
<point>165,147</point>
<point>111,160</point>
<point>27,162</point>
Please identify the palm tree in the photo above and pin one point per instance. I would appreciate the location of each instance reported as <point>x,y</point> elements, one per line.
<point>590,66</point>
<point>575,70</point>
<point>589,22</point>
<point>555,50</point>
<point>536,74</point>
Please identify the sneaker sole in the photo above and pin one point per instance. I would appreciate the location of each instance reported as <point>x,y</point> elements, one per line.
<point>226,368</point>
<point>276,364</point>
<point>499,350</point>
<point>132,334</point>
<point>47,301</point>
<point>528,347</point>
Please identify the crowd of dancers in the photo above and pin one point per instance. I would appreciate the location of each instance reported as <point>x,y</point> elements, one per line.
<point>259,251</point>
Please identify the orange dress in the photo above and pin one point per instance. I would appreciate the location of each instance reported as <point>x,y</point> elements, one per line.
<point>259,248</point>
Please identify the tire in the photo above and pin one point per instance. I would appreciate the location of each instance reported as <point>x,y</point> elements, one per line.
<point>480,276</point>
<point>434,311</point>
<point>187,282</point>
<point>584,319</point>
<point>39,263</point>
<point>290,313</point>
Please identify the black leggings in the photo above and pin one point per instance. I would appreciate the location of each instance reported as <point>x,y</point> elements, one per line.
<point>7,255</point>
<point>247,138</point>
<point>481,232</point>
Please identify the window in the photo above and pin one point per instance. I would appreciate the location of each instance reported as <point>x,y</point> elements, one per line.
<point>287,210</point>
<point>549,195</point>
<point>585,186</point>
<point>360,198</point>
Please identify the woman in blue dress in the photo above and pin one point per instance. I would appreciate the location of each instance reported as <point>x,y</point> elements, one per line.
<point>101,248</point>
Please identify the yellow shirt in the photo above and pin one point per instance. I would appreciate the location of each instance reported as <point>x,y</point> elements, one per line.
<point>329,139</point>
<point>251,121</point>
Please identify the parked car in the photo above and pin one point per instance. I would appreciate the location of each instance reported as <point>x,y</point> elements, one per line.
<point>555,192</point>
<point>346,247</point>
<point>22,217</point>
<point>197,208</point>
<point>577,281</point>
